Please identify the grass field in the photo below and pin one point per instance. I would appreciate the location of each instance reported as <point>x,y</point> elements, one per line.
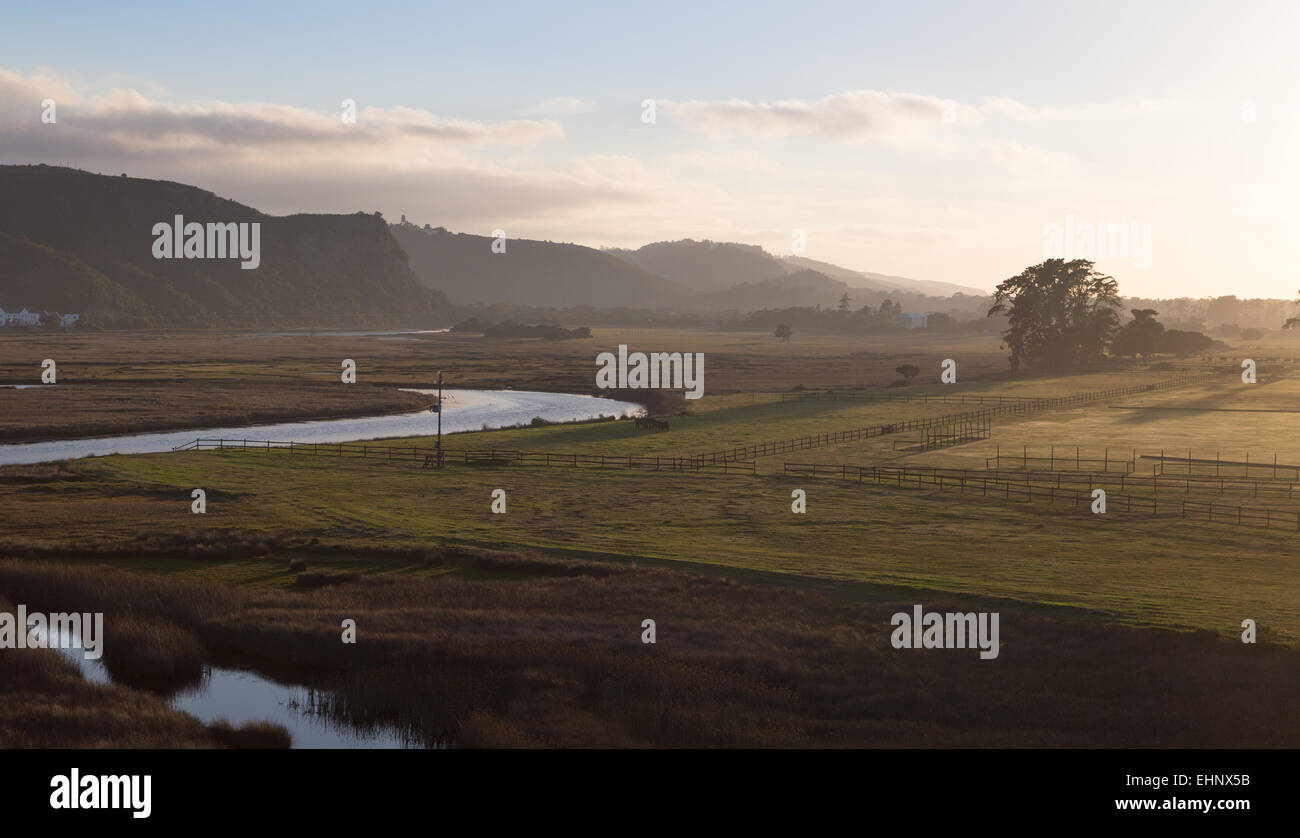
<point>582,555</point>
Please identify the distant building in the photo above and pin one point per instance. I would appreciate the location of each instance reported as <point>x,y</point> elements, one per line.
<point>35,318</point>
<point>21,318</point>
<point>910,321</point>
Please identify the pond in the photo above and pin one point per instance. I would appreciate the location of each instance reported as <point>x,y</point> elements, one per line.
<point>239,696</point>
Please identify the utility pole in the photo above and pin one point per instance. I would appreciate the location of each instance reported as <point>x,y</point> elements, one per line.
<point>439,418</point>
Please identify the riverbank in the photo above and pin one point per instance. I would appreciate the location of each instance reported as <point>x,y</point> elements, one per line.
<point>88,409</point>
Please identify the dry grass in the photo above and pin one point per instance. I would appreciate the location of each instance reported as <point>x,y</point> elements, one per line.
<point>149,654</point>
<point>545,660</point>
<point>259,735</point>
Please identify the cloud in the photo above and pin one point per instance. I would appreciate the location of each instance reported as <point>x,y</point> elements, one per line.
<point>859,114</point>
<point>285,159</point>
<point>126,123</point>
<point>855,114</point>
<point>559,106</point>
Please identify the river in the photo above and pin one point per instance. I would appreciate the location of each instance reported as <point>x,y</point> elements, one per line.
<point>464,410</point>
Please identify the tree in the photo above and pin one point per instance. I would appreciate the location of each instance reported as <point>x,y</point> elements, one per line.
<point>1184,343</point>
<point>843,307</point>
<point>908,371</point>
<point>888,311</point>
<point>1292,322</point>
<point>937,321</point>
<point>783,331</point>
<point>1140,336</point>
<point>1224,310</point>
<point>1059,314</point>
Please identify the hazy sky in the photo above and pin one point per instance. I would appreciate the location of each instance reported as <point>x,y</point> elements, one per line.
<point>931,140</point>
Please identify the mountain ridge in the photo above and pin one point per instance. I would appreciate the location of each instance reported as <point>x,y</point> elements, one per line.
<point>66,229</point>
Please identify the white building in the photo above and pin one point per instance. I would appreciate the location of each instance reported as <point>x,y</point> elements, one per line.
<point>21,318</point>
<point>33,318</point>
<point>910,321</point>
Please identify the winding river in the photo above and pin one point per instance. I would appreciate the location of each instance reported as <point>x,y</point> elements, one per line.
<point>464,410</point>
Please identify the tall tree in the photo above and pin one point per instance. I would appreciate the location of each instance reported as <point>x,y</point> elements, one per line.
<point>1059,314</point>
<point>844,303</point>
<point>1140,336</point>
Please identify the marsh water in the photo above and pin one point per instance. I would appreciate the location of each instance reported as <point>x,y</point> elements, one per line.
<point>463,410</point>
<point>239,696</point>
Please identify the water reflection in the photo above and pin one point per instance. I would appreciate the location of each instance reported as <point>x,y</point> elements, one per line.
<point>466,410</point>
<point>313,717</point>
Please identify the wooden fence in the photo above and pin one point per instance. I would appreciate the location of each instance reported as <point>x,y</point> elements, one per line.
<point>1022,405</point>
<point>963,480</point>
<point>429,456</point>
<point>956,433</point>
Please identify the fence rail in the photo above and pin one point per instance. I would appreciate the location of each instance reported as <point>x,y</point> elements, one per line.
<point>1024,405</point>
<point>426,456</point>
<point>987,485</point>
<point>956,433</point>
<point>1069,458</point>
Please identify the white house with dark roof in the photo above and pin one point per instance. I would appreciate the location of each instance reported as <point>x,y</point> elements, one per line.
<point>20,318</point>
<point>33,318</point>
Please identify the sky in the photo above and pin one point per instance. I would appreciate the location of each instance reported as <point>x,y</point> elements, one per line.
<point>958,142</point>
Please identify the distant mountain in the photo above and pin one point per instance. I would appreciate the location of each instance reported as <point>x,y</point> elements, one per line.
<point>536,273</point>
<point>705,266</point>
<point>803,288</point>
<point>880,282</point>
<point>80,242</point>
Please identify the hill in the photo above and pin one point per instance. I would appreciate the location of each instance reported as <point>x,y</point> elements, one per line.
<point>803,288</point>
<point>530,273</point>
<point>76,241</point>
<point>880,282</point>
<point>26,269</point>
<point>705,266</point>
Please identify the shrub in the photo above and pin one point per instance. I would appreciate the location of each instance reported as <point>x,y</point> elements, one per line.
<point>323,578</point>
<point>152,654</point>
<point>250,735</point>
